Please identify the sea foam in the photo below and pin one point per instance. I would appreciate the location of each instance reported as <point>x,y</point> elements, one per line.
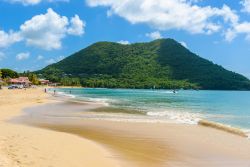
<point>177,116</point>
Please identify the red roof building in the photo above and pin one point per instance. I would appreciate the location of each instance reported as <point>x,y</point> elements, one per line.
<point>20,81</point>
<point>44,82</point>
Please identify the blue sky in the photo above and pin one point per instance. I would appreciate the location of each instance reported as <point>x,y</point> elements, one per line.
<point>35,33</point>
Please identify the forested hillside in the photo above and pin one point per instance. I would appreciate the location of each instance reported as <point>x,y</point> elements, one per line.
<point>162,63</point>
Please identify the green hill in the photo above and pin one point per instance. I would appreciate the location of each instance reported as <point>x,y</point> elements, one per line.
<point>162,63</point>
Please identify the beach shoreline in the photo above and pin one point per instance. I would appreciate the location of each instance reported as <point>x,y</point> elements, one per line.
<point>147,143</point>
<point>27,146</point>
<point>134,143</point>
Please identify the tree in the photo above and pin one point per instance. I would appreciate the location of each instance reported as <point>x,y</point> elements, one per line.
<point>8,73</point>
<point>162,63</point>
<point>34,79</point>
<point>66,81</point>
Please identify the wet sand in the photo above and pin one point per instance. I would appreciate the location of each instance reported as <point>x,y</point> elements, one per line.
<point>144,144</point>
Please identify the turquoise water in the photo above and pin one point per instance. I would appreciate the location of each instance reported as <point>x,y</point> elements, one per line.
<point>185,106</point>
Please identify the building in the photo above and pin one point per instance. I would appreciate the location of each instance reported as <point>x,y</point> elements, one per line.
<point>20,81</point>
<point>44,82</point>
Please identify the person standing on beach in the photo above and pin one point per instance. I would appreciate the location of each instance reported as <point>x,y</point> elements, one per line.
<point>54,92</point>
<point>45,90</point>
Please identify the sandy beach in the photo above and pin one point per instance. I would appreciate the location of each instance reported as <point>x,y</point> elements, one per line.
<point>26,146</point>
<point>62,138</point>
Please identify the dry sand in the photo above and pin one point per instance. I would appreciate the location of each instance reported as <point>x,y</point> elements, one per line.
<point>25,146</point>
<point>124,144</point>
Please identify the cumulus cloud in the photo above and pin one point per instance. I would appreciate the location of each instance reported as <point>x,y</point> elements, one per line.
<point>26,2</point>
<point>240,28</point>
<point>184,15</point>
<point>6,39</point>
<point>77,26</point>
<point>246,5</point>
<point>123,42</point>
<point>170,14</point>
<point>154,35</point>
<point>23,56</point>
<point>44,31</point>
<point>33,2</point>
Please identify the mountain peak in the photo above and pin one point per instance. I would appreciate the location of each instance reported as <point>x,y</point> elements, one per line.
<point>163,63</point>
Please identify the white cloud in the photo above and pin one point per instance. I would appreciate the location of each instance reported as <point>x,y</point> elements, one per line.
<point>44,31</point>
<point>246,5</point>
<point>123,42</point>
<point>39,57</point>
<point>169,14</point>
<point>194,1</point>
<point>54,60</point>
<point>184,15</point>
<point>77,26</point>
<point>6,39</point>
<point>240,28</point>
<point>33,2</point>
<point>26,2</point>
<point>184,44</point>
<point>154,35</point>
<point>2,56</point>
<point>23,56</point>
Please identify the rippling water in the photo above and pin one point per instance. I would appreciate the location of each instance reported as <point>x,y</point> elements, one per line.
<point>185,106</point>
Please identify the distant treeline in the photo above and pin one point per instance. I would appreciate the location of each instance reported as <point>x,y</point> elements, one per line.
<point>7,74</point>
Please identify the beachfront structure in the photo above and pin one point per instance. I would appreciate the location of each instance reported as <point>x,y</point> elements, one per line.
<point>20,81</point>
<point>44,82</point>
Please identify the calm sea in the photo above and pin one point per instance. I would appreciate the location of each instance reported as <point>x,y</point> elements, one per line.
<point>184,106</point>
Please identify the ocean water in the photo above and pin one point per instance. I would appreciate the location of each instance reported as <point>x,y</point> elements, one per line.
<point>185,106</point>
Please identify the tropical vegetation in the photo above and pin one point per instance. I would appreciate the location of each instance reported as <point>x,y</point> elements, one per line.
<point>163,63</point>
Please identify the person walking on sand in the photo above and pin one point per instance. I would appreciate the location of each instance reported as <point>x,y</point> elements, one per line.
<point>45,90</point>
<point>54,92</point>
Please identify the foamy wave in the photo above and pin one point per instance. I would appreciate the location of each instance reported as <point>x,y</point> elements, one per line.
<point>122,118</point>
<point>103,101</point>
<point>178,117</point>
<point>66,94</point>
<point>247,131</point>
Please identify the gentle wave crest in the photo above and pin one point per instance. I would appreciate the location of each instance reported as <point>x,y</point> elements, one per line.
<point>178,117</point>
<point>185,107</point>
<point>66,94</point>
